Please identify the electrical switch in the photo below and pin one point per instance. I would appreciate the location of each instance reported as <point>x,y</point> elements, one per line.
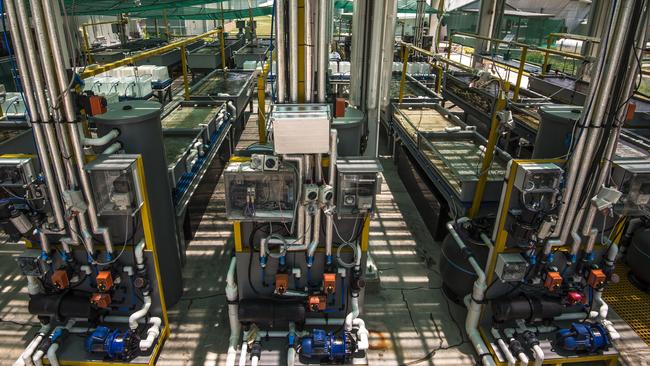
<point>100,300</point>
<point>317,303</point>
<point>329,282</point>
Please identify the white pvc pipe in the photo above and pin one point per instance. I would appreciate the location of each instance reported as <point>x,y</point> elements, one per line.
<point>291,356</point>
<point>255,360</point>
<point>329,223</point>
<point>474,307</point>
<point>244,353</point>
<point>232,109</point>
<point>26,357</point>
<point>152,333</point>
<point>504,348</point>
<point>99,141</point>
<point>232,294</point>
<point>115,147</point>
<point>140,314</point>
<point>37,358</point>
<point>539,355</point>
<point>51,353</point>
<point>353,314</point>
<point>362,334</point>
<point>139,255</point>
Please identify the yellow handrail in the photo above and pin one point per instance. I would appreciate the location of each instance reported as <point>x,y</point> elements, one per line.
<point>261,101</point>
<point>576,37</point>
<point>146,54</point>
<point>86,48</point>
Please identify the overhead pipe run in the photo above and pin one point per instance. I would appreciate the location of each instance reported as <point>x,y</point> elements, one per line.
<point>323,50</point>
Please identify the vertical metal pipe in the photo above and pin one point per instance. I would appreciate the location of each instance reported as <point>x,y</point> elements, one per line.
<point>631,77</point>
<point>388,47</point>
<point>280,44</point>
<point>600,105</point>
<point>309,48</point>
<point>574,163</point>
<point>323,51</point>
<point>19,51</point>
<point>74,136</point>
<point>293,51</point>
<point>357,66</point>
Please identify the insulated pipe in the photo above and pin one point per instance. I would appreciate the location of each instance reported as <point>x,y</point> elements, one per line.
<point>47,67</point>
<point>281,50</point>
<point>592,134</point>
<point>232,295</point>
<point>504,348</point>
<point>309,50</point>
<point>74,133</point>
<point>632,75</point>
<point>45,242</point>
<point>323,51</point>
<point>19,52</point>
<point>539,355</point>
<point>293,51</point>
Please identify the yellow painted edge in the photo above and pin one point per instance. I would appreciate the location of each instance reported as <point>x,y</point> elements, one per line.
<point>236,228</point>
<point>149,238</point>
<point>365,234</point>
<point>17,156</point>
<point>239,159</point>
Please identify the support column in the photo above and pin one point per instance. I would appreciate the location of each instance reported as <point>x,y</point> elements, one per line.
<point>489,14</point>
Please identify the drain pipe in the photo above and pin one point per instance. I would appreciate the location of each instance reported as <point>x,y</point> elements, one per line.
<point>232,295</point>
<point>474,299</point>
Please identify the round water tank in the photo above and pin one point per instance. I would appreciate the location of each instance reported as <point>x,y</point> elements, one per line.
<point>457,274</point>
<point>638,258</point>
<point>555,133</point>
<point>141,133</point>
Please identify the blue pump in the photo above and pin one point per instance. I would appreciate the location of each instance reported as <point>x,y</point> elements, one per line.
<point>115,344</point>
<point>583,337</point>
<point>325,348</point>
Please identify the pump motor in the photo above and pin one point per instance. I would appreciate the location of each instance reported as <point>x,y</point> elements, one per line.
<point>321,347</point>
<point>583,337</point>
<point>115,344</point>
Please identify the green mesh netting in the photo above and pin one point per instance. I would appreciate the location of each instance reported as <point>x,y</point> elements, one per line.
<point>115,7</point>
<point>403,7</point>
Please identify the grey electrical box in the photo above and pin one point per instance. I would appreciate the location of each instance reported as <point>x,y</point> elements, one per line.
<point>30,264</point>
<point>358,183</point>
<point>632,177</point>
<point>17,172</point>
<point>511,267</point>
<point>259,195</point>
<point>116,184</point>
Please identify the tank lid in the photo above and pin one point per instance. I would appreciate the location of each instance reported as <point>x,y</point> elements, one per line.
<point>132,111</point>
<point>568,112</point>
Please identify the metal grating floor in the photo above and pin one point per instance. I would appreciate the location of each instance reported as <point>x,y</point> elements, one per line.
<point>630,303</point>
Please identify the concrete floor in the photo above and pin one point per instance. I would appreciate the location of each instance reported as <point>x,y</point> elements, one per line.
<point>409,317</point>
